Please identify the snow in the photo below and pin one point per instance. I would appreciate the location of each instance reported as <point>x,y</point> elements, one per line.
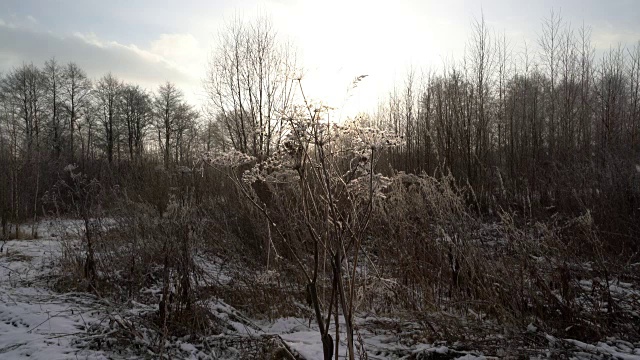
<point>36,322</point>
<point>297,334</point>
<point>606,349</point>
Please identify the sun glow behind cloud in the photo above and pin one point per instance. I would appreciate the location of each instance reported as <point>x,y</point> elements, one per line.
<point>340,40</point>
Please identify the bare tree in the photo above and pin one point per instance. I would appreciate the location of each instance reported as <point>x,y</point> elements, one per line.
<point>108,91</point>
<point>10,136</point>
<point>23,88</point>
<point>610,98</point>
<point>550,42</point>
<point>52,75</point>
<point>136,109</point>
<point>186,132</point>
<point>87,128</point>
<point>166,105</point>
<point>634,90</point>
<point>75,88</point>
<point>481,61</point>
<point>249,83</point>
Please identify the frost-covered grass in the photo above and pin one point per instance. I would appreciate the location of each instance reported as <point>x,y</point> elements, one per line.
<point>38,322</point>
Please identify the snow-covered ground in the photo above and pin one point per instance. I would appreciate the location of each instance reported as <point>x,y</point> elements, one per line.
<point>37,322</point>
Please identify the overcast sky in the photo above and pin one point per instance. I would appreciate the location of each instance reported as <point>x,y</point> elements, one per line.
<point>151,41</point>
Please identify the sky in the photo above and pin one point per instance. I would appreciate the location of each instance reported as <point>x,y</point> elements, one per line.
<point>148,42</point>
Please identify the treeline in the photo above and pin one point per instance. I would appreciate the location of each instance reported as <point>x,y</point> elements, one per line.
<point>543,129</point>
<point>54,115</point>
<point>552,127</point>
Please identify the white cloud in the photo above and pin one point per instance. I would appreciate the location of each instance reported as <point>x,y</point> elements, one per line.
<point>19,22</point>
<point>182,50</point>
<point>7,24</point>
<point>131,63</point>
<point>175,46</point>
<point>604,38</point>
<point>89,38</point>
<point>93,40</point>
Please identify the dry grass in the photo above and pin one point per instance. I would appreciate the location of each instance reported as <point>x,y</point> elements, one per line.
<point>437,255</point>
<point>427,256</point>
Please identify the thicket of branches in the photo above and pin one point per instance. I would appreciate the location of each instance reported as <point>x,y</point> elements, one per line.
<point>543,128</point>
<point>55,115</point>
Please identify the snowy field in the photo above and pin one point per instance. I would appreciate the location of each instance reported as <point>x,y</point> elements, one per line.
<point>36,322</point>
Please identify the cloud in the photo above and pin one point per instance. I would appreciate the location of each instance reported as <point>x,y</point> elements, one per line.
<point>604,39</point>
<point>183,50</point>
<point>7,24</point>
<point>18,22</point>
<point>130,63</point>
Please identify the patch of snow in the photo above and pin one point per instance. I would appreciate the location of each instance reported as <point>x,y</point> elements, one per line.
<point>35,322</point>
